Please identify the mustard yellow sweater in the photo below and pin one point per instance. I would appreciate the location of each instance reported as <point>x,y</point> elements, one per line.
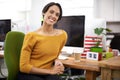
<point>40,51</point>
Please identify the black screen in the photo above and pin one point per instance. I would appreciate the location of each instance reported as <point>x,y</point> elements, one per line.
<point>74,26</point>
<point>5,26</point>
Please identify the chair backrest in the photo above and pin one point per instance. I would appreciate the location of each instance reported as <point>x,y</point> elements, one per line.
<point>115,42</point>
<point>12,49</point>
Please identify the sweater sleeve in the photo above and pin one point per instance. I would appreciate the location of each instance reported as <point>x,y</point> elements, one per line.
<point>27,47</point>
<point>65,36</point>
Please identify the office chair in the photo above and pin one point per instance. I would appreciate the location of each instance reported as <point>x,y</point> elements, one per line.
<point>115,42</point>
<point>12,49</point>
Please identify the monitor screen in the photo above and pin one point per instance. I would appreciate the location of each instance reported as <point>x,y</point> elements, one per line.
<point>74,26</point>
<point>5,26</point>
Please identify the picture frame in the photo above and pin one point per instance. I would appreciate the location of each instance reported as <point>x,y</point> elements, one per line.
<point>92,56</point>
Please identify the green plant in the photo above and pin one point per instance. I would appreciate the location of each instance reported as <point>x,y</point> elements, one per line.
<point>99,31</point>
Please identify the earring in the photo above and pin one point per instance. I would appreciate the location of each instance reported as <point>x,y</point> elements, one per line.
<point>42,18</point>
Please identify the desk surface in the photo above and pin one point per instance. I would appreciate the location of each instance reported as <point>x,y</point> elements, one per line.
<point>91,67</point>
<point>83,64</point>
<point>112,63</point>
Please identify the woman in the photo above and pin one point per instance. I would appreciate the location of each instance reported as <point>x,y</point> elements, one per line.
<point>38,59</point>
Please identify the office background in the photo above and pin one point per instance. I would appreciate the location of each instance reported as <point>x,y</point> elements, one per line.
<point>26,14</point>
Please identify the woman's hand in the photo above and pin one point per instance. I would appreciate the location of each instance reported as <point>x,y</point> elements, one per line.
<point>58,68</point>
<point>59,63</point>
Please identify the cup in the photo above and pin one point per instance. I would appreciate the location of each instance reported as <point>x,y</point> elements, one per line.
<point>77,53</point>
<point>77,57</point>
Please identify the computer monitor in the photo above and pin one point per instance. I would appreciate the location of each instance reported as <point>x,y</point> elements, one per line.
<point>5,27</point>
<point>74,26</point>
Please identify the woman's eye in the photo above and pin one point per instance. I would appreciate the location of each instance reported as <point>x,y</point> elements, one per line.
<point>57,14</point>
<point>51,11</point>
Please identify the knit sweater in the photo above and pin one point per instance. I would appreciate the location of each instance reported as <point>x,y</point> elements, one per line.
<point>40,50</point>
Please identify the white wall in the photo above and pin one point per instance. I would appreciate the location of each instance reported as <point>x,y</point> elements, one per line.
<point>17,11</point>
<point>8,12</point>
<point>36,14</point>
<point>14,9</point>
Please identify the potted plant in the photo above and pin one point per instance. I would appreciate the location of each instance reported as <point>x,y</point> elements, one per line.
<point>99,31</point>
<point>98,39</point>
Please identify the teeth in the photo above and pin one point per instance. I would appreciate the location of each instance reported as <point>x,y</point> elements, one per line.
<point>51,20</point>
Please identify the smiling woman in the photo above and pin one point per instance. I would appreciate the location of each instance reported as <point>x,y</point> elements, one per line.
<point>40,50</point>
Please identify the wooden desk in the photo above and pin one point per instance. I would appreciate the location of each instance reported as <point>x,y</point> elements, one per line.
<point>110,68</point>
<point>91,67</point>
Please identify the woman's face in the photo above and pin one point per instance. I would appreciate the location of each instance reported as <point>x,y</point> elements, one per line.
<point>52,15</point>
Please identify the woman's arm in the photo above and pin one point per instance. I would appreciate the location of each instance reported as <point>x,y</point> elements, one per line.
<point>57,69</point>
